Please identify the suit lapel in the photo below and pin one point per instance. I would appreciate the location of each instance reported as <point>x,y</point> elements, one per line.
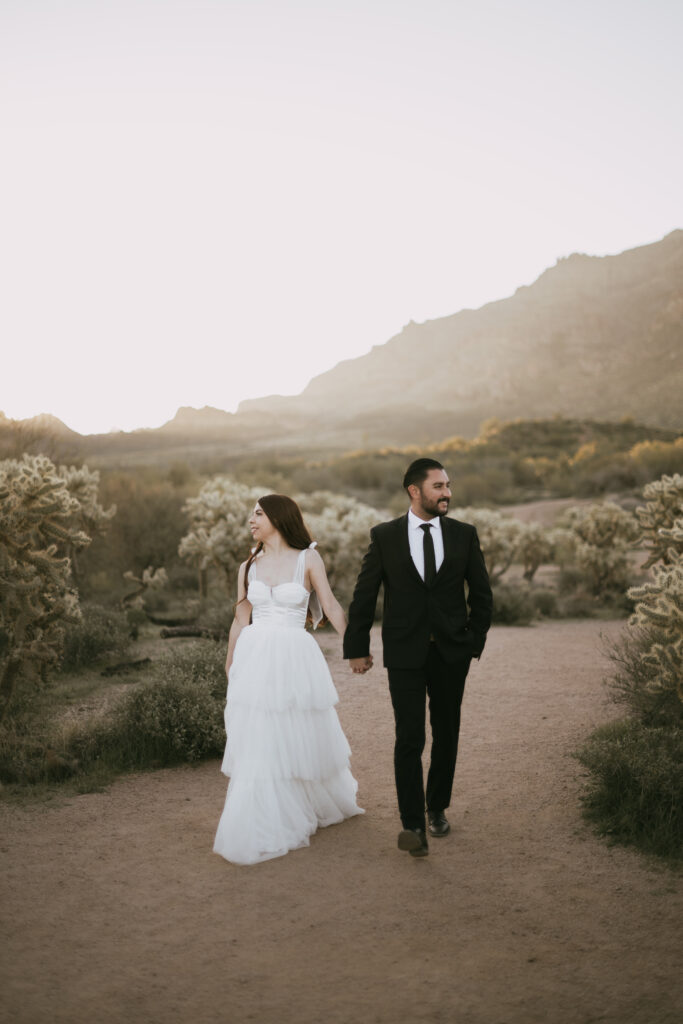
<point>405,549</point>
<point>448,528</point>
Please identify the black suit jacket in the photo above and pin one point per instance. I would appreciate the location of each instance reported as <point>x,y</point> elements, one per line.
<point>413,611</point>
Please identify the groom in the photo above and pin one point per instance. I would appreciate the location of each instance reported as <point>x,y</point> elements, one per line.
<point>431,629</point>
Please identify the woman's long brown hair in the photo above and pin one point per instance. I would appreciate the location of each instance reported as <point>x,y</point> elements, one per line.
<point>285,515</point>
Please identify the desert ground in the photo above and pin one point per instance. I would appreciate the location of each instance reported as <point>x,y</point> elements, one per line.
<point>114,909</point>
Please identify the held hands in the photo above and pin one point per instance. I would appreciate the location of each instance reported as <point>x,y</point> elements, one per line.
<point>360,665</point>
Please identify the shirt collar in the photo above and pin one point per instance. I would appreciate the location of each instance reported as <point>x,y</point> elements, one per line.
<point>414,522</point>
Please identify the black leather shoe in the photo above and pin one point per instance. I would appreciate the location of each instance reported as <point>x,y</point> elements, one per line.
<point>414,840</point>
<point>438,824</point>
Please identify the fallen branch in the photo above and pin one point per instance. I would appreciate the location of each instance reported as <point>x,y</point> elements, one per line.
<point>168,632</point>
<point>161,620</point>
<point>124,666</point>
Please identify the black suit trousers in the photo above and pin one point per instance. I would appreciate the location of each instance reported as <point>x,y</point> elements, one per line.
<point>443,683</point>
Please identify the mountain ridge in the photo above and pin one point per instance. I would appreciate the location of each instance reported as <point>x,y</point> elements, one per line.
<point>577,341</point>
<point>592,336</point>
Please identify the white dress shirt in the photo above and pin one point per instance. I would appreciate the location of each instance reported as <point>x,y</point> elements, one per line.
<point>416,540</point>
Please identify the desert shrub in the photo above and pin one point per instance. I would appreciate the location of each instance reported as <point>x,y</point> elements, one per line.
<point>200,661</point>
<point>520,603</point>
<point>658,457</point>
<point>167,722</point>
<point>175,717</point>
<point>216,615</point>
<point>602,537</point>
<point>19,752</point>
<point>545,602</point>
<point>635,679</point>
<point>182,577</point>
<point>512,604</point>
<point>609,472</point>
<point>577,604</point>
<point>157,600</point>
<point>100,631</point>
<point>635,785</point>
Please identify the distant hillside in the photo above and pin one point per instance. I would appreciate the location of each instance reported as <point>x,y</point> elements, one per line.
<point>597,337</point>
<point>594,338</point>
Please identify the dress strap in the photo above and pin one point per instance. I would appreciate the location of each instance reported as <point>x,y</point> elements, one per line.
<point>314,608</point>
<point>300,573</point>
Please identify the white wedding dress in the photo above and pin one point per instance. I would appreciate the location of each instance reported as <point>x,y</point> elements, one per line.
<point>286,754</point>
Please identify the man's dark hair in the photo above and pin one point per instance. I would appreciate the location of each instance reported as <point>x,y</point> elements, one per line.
<point>418,471</point>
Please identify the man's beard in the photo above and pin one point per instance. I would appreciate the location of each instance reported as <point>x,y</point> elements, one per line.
<point>437,508</point>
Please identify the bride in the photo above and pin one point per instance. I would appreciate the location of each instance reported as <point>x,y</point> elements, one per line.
<point>286,754</point>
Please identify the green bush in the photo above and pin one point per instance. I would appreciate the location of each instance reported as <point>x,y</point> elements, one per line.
<point>165,723</point>
<point>577,604</point>
<point>101,631</point>
<point>512,604</point>
<point>635,786</point>
<point>545,602</point>
<point>519,604</point>
<point>199,661</point>
<point>577,601</point>
<point>216,616</point>
<point>634,680</point>
<point>22,754</point>
<point>175,717</point>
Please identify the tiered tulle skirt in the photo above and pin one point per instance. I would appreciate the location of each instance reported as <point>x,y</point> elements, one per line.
<point>286,753</point>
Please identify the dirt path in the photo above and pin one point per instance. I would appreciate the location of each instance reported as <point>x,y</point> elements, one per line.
<point>115,910</point>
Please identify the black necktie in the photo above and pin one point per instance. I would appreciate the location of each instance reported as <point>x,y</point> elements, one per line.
<point>430,557</point>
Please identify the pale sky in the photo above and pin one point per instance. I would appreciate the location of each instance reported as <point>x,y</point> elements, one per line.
<point>203,201</point>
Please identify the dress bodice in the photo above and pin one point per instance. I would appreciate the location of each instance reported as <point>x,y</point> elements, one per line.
<point>284,604</point>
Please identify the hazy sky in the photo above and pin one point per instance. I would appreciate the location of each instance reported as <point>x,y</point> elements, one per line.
<point>203,201</point>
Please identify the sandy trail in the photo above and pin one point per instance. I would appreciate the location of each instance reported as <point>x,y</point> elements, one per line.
<point>115,910</point>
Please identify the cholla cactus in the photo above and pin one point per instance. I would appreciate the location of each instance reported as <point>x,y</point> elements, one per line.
<point>563,544</point>
<point>218,534</point>
<point>342,529</point>
<point>36,595</point>
<point>603,534</point>
<point>89,516</point>
<point>499,536</point>
<point>659,606</point>
<point>534,548</point>
<point>664,506</point>
<point>151,579</point>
